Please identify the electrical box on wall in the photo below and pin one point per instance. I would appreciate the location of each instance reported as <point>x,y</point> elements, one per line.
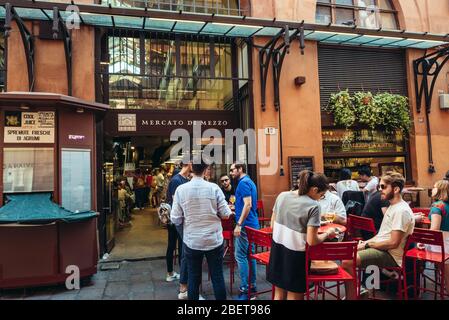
<point>444,101</point>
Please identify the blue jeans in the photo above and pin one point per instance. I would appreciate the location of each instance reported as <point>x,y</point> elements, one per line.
<point>140,197</point>
<point>194,266</point>
<point>183,276</point>
<point>173,238</point>
<point>241,256</point>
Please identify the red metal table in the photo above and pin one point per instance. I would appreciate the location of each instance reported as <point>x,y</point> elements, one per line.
<point>328,226</point>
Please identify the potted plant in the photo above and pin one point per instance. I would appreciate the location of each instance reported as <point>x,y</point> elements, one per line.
<point>340,105</point>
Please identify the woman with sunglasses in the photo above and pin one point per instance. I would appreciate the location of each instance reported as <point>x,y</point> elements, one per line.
<point>296,220</point>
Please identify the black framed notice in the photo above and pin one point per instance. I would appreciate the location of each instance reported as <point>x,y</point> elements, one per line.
<point>298,164</point>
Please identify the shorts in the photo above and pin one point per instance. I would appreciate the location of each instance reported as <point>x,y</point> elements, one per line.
<point>375,257</point>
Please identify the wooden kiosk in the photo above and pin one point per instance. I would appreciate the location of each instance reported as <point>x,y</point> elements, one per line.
<point>47,149</point>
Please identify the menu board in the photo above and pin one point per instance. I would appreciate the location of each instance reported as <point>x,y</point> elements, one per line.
<point>298,164</point>
<point>29,127</point>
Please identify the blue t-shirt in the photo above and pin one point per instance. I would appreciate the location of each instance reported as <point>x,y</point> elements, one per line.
<point>175,182</point>
<point>246,188</point>
<point>441,208</point>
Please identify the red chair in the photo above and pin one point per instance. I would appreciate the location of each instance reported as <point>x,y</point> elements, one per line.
<point>357,223</point>
<point>228,236</point>
<point>400,280</point>
<point>263,239</point>
<point>261,213</point>
<point>429,237</point>
<point>331,251</point>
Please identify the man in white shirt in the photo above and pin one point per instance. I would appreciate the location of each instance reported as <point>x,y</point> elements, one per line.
<point>331,203</point>
<point>200,205</point>
<point>387,247</point>
<point>371,182</point>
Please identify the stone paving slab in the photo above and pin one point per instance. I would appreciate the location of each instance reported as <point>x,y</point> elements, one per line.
<point>138,280</point>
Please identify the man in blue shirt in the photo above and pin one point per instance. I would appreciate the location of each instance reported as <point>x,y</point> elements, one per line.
<point>245,215</point>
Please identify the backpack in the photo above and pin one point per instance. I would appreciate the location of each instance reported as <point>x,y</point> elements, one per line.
<point>164,214</point>
<point>354,208</point>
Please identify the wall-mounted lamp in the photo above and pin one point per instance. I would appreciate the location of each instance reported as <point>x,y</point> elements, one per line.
<point>79,110</point>
<point>299,81</point>
<point>24,107</point>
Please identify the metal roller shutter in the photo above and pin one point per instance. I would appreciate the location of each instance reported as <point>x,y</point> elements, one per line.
<point>372,70</point>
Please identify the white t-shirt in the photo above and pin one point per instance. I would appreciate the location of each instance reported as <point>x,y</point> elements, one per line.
<point>399,217</point>
<point>371,187</point>
<point>346,185</point>
<point>332,203</point>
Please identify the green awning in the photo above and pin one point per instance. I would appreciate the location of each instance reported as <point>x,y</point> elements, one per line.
<point>206,24</point>
<point>37,208</point>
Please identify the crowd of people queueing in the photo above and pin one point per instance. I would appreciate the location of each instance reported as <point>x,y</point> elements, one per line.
<point>143,188</point>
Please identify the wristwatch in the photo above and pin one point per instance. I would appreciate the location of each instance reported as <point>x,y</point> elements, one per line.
<point>238,224</point>
<point>367,246</point>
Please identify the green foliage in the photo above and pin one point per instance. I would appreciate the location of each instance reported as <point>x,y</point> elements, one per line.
<point>367,111</point>
<point>340,105</point>
<point>383,110</point>
<point>395,112</point>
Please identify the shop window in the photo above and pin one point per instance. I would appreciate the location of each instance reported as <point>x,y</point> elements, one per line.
<point>28,170</point>
<point>353,148</point>
<point>76,179</point>
<point>162,71</point>
<point>226,7</point>
<point>363,13</point>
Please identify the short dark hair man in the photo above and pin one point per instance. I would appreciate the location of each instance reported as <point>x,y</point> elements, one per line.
<point>175,233</point>
<point>371,182</point>
<point>226,186</point>
<point>199,205</point>
<point>245,215</point>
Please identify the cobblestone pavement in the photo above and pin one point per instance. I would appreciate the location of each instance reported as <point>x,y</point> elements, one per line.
<point>140,280</point>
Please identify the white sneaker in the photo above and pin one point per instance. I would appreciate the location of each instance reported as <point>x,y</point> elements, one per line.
<point>184,296</point>
<point>173,277</point>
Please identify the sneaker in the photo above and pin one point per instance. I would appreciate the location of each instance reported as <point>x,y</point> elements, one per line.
<point>243,295</point>
<point>173,277</point>
<point>184,296</point>
<point>363,291</point>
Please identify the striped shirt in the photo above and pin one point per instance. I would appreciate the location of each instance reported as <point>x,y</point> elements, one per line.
<point>294,214</point>
<point>200,205</point>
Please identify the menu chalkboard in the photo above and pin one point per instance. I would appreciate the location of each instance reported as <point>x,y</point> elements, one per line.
<point>298,164</point>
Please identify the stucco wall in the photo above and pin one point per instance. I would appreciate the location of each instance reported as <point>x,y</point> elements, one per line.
<point>300,106</point>
<point>50,64</point>
<point>300,116</point>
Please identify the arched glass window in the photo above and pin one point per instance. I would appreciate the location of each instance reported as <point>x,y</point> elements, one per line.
<point>226,7</point>
<point>363,13</point>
